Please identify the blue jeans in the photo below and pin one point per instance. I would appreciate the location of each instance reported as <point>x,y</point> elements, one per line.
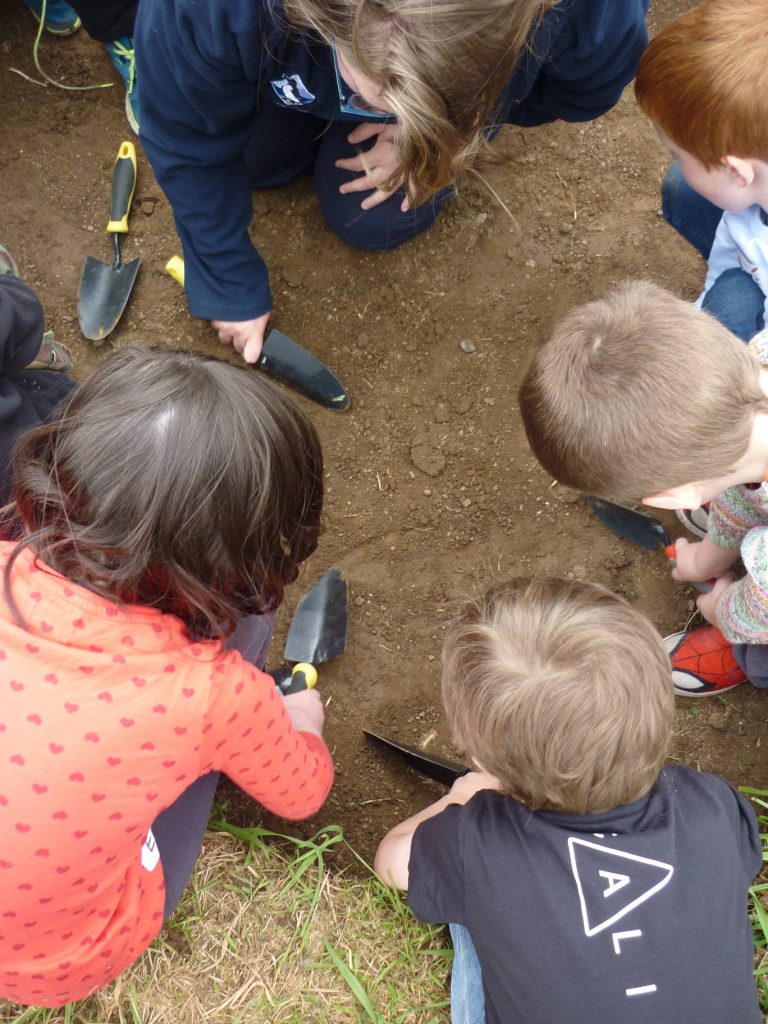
<point>467,996</point>
<point>179,830</point>
<point>734,299</point>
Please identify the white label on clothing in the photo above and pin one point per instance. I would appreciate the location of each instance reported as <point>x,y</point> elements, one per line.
<point>639,878</point>
<point>291,91</point>
<point>150,855</point>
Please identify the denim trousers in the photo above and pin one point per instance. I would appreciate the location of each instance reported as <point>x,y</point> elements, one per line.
<point>467,996</point>
<point>179,830</point>
<point>734,299</point>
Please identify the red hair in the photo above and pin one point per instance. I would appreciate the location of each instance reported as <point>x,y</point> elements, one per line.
<point>703,80</point>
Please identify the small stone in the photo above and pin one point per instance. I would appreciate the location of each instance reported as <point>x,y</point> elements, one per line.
<point>440,413</point>
<point>462,404</point>
<point>718,719</point>
<point>147,207</point>
<point>481,218</point>
<point>359,601</point>
<point>467,346</point>
<point>427,492</point>
<point>566,229</point>
<point>530,263</point>
<point>466,503</point>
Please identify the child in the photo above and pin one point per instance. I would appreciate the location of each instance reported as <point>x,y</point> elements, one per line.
<point>572,864</point>
<point>29,391</point>
<point>174,499</point>
<point>702,81</point>
<point>639,396</point>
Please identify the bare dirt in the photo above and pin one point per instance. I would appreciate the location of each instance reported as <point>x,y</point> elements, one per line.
<point>432,493</point>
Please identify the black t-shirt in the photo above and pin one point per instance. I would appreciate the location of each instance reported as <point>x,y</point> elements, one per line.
<point>635,915</point>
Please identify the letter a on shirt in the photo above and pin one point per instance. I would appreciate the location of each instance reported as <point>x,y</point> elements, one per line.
<point>611,883</point>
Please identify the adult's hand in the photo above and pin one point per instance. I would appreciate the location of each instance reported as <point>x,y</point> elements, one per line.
<point>375,164</point>
<point>247,336</point>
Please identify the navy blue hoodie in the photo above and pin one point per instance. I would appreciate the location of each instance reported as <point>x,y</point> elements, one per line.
<point>207,66</point>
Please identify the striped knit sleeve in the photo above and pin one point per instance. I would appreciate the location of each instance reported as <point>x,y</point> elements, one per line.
<point>734,513</point>
<point>742,611</point>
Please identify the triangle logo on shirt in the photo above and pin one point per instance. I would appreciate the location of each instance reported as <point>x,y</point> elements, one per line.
<point>611,883</point>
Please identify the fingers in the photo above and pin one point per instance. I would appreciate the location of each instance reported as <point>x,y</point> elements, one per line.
<point>362,184</point>
<point>375,199</point>
<point>251,350</point>
<point>363,132</point>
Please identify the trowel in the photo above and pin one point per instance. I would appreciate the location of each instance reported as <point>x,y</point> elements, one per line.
<point>317,633</point>
<point>433,767</point>
<point>105,287</point>
<point>638,528</point>
<point>288,361</point>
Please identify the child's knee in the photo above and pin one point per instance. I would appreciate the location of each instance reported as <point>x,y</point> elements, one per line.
<point>376,230</point>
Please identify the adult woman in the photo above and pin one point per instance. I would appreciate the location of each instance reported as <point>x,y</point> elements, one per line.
<point>241,94</point>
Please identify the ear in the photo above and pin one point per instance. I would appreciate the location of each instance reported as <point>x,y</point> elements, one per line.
<point>740,170</point>
<point>684,496</point>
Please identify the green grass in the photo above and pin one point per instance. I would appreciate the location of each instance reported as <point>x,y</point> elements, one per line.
<point>758,900</point>
<point>277,934</point>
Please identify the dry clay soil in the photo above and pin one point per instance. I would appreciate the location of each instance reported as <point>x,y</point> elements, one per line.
<point>432,493</point>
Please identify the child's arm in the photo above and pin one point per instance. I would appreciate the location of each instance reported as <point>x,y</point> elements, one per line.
<point>724,255</point>
<point>394,852</point>
<point>740,609</point>
<point>268,745</point>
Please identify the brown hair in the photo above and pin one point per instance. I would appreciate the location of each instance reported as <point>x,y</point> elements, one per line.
<point>561,690</point>
<point>702,80</point>
<point>440,65</point>
<point>176,481</point>
<point>639,392</point>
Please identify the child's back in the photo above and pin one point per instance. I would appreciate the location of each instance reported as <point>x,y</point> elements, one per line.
<point>110,709</point>
<point>604,889</point>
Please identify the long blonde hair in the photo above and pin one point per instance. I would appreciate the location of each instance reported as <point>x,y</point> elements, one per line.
<point>440,65</point>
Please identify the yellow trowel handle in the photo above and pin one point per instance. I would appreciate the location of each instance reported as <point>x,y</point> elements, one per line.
<point>175,269</point>
<point>123,184</point>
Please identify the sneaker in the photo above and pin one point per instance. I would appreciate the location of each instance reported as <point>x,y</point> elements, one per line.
<point>703,664</point>
<point>121,54</point>
<point>694,520</point>
<point>59,18</point>
<point>53,355</point>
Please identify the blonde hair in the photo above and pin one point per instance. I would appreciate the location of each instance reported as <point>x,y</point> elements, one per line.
<point>561,690</point>
<point>440,65</point>
<point>702,80</point>
<point>639,392</point>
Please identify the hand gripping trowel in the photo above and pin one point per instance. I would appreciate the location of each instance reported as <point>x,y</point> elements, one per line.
<point>105,287</point>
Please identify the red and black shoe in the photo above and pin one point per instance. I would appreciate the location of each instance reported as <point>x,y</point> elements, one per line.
<point>703,664</point>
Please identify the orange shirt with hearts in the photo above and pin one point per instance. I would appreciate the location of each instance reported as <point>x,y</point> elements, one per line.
<point>107,714</point>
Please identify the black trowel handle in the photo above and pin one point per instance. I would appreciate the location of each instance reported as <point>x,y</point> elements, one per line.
<point>123,184</point>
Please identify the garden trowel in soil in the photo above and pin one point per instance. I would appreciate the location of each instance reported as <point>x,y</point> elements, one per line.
<point>288,361</point>
<point>317,633</point>
<point>105,287</point>
<point>638,528</point>
<point>436,768</point>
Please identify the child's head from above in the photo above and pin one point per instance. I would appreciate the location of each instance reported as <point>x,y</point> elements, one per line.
<point>438,67</point>
<point>639,393</point>
<point>561,690</point>
<point>175,481</point>
<point>702,81</point>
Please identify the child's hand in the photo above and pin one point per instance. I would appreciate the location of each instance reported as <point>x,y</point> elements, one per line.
<point>305,710</point>
<point>701,560</point>
<point>465,787</point>
<point>707,603</point>
<point>247,336</point>
<point>376,163</point>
